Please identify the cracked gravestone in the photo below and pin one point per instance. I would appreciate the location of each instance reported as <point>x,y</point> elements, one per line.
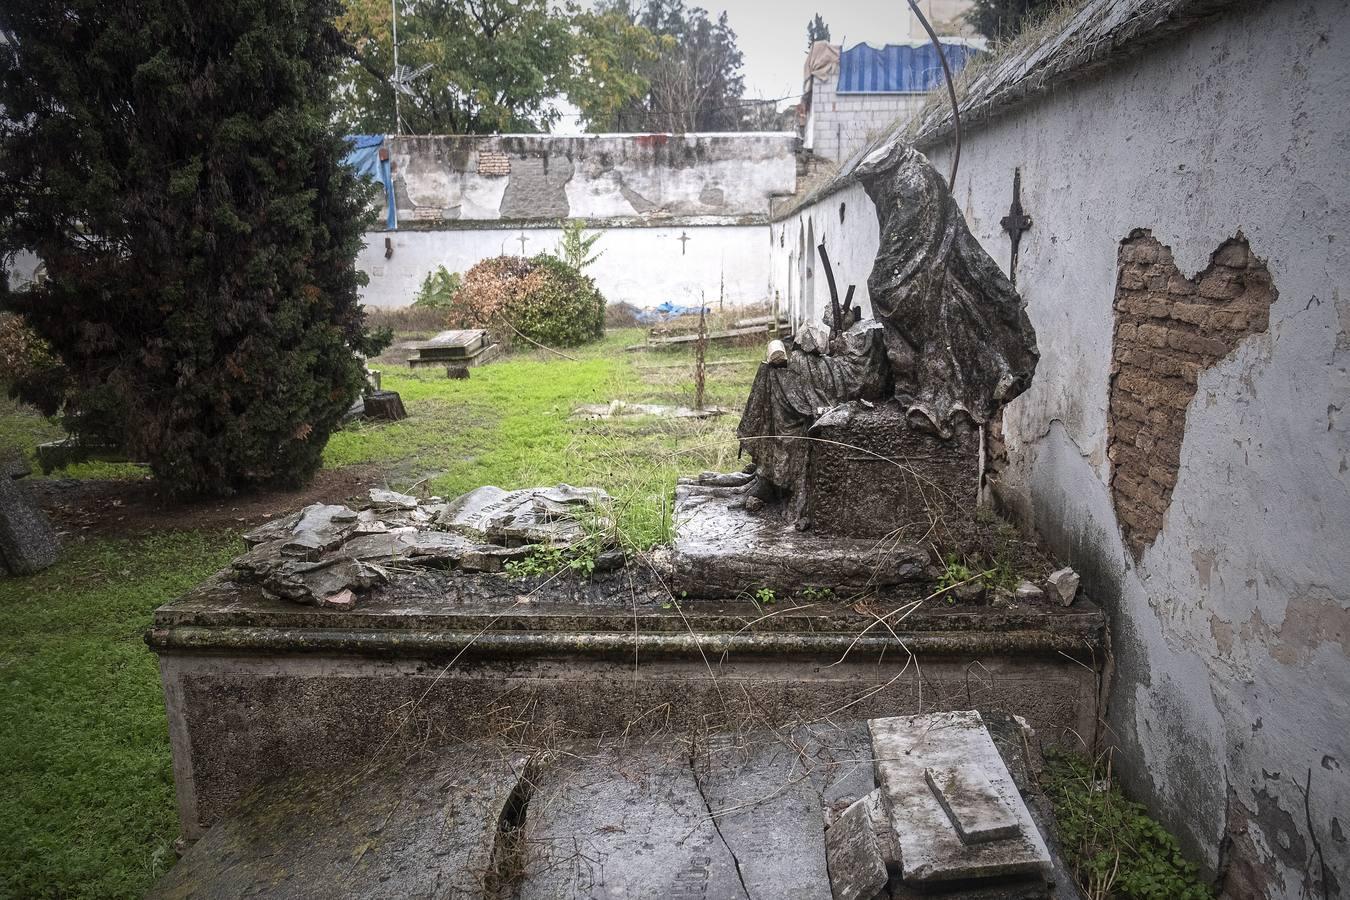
<point>631,824</point>
<point>427,828</point>
<point>767,810</point>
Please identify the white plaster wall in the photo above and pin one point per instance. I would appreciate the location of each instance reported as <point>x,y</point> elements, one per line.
<point>595,176</point>
<point>1231,637</point>
<point>21,268</point>
<point>643,266</point>
<point>851,243</point>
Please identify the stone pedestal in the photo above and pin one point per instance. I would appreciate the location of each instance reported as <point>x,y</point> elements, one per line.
<point>872,475</point>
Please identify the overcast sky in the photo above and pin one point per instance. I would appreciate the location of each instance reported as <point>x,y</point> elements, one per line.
<point>772,34</point>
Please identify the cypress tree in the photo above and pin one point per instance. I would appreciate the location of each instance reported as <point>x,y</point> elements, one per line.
<point>174,164</point>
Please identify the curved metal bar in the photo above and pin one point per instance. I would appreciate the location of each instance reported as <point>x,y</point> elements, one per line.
<point>951,90</point>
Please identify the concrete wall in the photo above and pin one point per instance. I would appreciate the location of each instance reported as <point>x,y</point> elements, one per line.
<point>841,123</point>
<point>1231,630</point>
<point>549,177</point>
<point>643,266</point>
<point>846,222</point>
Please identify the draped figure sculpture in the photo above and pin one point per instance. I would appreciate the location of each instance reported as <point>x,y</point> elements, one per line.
<point>950,341</point>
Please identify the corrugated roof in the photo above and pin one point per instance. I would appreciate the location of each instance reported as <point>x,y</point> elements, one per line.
<point>898,68</point>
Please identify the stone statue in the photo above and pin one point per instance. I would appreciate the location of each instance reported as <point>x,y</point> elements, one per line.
<point>950,344</point>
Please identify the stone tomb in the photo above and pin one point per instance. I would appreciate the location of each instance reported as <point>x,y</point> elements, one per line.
<point>460,347</point>
<point>752,815</point>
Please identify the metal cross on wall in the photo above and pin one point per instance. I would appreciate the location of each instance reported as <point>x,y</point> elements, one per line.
<point>684,240</point>
<point>1015,223</point>
<point>522,240</point>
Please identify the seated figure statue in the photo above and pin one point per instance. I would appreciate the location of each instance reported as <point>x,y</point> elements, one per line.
<point>950,344</point>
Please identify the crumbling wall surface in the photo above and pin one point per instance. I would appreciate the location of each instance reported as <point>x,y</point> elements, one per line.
<point>445,178</point>
<point>1211,126</point>
<point>1169,329</point>
<point>1230,600</point>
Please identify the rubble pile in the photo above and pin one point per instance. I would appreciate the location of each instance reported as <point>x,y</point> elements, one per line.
<point>327,555</point>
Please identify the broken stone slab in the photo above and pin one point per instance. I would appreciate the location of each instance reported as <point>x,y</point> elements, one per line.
<point>1029,592</point>
<point>28,543</point>
<point>385,499</point>
<point>556,515</point>
<point>975,809</point>
<point>321,527</point>
<point>857,866</point>
<point>931,849</point>
<point>767,811</point>
<point>429,827</point>
<point>775,354</point>
<point>1064,585</point>
<point>631,824</point>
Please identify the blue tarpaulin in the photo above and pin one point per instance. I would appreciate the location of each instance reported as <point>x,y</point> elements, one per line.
<point>665,311</point>
<point>364,157</point>
<point>898,68</point>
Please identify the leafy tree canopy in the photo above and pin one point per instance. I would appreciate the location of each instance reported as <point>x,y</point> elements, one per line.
<point>816,30</point>
<point>1002,20</point>
<point>175,167</point>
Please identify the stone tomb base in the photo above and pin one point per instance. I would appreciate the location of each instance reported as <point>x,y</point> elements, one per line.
<point>872,475</point>
<point>258,688</point>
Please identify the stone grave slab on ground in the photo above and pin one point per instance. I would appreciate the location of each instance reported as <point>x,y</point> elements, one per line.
<point>28,543</point>
<point>678,815</point>
<point>458,347</point>
<point>425,828</point>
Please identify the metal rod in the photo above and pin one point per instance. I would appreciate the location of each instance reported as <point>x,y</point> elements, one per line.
<point>951,90</point>
<point>398,118</point>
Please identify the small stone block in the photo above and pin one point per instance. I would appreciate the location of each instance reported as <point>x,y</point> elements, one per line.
<point>976,810</point>
<point>27,542</point>
<point>458,373</point>
<point>1064,585</point>
<point>857,869</point>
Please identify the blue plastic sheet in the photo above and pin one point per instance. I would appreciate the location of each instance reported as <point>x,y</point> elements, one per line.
<point>898,68</point>
<point>364,157</point>
<point>665,311</point>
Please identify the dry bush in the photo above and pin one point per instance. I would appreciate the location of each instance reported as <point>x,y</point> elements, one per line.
<point>542,298</point>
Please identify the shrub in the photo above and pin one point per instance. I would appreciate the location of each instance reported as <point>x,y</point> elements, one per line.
<point>542,298</point>
<point>177,169</point>
<point>28,366</point>
<point>439,289</point>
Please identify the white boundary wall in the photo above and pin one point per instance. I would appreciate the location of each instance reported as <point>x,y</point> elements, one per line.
<point>1231,636</point>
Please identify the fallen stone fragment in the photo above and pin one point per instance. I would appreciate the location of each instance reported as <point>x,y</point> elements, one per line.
<point>975,809</point>
<point>321,527</point>
<point>383,499</point>
<point>556,515</point>
<point>1029,592</point>
<point>776,354</point>
<point>970,592</point>
<point>931,849</point>
<point>813,338</point>
<point>619,408</point>
<point>343,599</point>
<point>857,868</point>
<point>1064,585</point>
<point>28,544</point>
<point>493,558</point>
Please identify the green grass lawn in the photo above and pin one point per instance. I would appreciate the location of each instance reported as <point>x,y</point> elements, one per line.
<point>87,806</point>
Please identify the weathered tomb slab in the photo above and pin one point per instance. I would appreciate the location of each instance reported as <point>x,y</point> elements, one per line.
<point>629,824</point>
<point>857,866</point>
<point>768,811</point>
<point>931,848</point>
<point>423,828</point>
<point>722,549</point>
<point>976,810</point>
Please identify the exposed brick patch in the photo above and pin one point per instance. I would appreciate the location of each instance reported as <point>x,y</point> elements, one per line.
<point>493,162</point>
<point>1169,329</point>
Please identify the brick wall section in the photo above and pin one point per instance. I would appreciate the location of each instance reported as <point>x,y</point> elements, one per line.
<point>1168,330</point>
